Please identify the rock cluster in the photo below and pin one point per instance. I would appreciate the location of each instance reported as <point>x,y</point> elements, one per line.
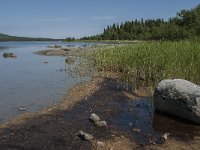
<point>97,120</point>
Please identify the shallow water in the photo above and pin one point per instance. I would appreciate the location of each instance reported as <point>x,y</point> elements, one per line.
<point>26,81</point>
<point>140,114</point>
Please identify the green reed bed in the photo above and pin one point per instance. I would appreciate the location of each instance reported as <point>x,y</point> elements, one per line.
<point>146,63</point>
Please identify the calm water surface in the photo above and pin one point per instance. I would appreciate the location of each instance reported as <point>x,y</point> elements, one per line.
<point>26,81</point>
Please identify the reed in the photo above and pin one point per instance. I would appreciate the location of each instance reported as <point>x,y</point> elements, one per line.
<point>147,63</point>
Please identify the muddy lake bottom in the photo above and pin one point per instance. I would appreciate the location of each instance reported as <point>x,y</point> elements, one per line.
<point>58,130</point>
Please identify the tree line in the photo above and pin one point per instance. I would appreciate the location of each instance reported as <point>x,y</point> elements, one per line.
<point>185,25</point>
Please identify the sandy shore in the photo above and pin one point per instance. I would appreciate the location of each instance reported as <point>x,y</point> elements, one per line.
<point>56,127</point>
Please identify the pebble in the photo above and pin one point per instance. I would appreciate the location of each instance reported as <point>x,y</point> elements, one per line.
<point>101,123</point>
<point>165,136</point>
<point>101,144</point>
<point>94,118</point>
<point>136,130</point>
<point>85,136</point>
<point>22,108</point>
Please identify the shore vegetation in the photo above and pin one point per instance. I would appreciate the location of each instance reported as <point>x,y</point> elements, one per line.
<point>147,63</point>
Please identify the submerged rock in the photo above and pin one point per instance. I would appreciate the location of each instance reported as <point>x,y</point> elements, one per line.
<point>178,97</point>
<point>55,46</point>
<point>6,55</point>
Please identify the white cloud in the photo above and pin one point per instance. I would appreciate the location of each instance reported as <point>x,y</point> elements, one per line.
<point>103,17</point>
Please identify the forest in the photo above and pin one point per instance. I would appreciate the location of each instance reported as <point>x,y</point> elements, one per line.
<point>185,25</point>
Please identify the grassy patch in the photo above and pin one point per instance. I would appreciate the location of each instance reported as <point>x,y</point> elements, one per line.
<point>147,63</point>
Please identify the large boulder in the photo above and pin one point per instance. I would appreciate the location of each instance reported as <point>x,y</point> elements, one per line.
<point>178,97</point>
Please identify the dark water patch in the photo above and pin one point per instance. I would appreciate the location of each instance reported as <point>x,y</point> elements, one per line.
<point>140,115</point>
<point>177,127</point>
<point>136,118</point>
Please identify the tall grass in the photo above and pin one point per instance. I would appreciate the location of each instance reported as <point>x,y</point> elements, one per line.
<point>147,63</point>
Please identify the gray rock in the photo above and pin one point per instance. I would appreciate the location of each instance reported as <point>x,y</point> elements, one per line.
<point>6,55</point>
<point>94,118</point>
<point>101,123</point>
<point>165,136</point>
<point>97,121</point>
<point>22,108</point>
<point>178,97</point>
<point>85,136</point>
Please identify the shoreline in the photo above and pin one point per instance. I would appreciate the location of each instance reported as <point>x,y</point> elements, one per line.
<point>56,126</point>
<point>64,119</point>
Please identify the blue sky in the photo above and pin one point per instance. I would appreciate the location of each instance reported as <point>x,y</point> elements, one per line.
<point>77,18</point>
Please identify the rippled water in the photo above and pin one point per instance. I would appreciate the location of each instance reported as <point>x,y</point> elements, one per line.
<point>26,81</point>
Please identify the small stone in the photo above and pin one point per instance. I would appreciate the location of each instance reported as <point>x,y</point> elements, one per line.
<point>85,136</point>
<point>130,124</point>
<point>165,136</point>
<point>136,130</point>
<point>22,108</point>
<point>100,144</point>
<point>152,141</point>
<point>101,123</point>
<point>46,62</point>
<point>94,118</point>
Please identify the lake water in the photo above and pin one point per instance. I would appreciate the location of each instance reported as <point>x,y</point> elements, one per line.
<point>28,82</point>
